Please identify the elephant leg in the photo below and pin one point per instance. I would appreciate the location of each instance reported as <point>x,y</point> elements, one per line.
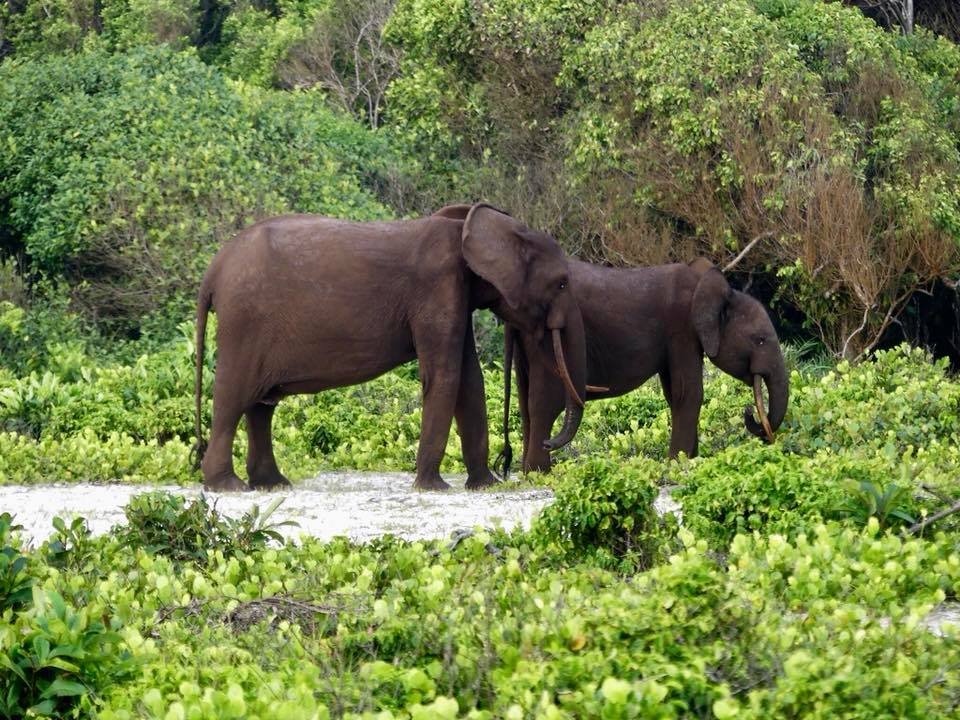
<point>523,399</point>
<point>545,402</point>
<point>471,415</point>
<point>684,384</point>
<point>440,356</point>
<point>217,464</point>
<point>262,468</point>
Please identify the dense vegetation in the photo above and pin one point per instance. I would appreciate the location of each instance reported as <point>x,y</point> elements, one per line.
<point>793,587</point>
<point>136,137</point>
<point>799,129</point>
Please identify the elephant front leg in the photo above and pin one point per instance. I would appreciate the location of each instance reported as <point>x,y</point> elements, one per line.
<point>683,388</point>
<point>471,415</point>
<point>440,378</point>
<point>523,395</point>
<point>545,403</point>
<point>262,467</point>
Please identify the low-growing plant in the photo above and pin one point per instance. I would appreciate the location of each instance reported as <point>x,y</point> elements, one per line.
<point>56,658</point>
<point>604,508</point>
<point>71,545</point>
<point>15,581</point>
<point>185,530</point>
<point>890,504</point>
<point>755,487</point>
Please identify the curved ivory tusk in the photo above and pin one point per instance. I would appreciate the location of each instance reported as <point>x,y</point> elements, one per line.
<point>562,366</point>
<point>597,388</point>
<point>758,400</point>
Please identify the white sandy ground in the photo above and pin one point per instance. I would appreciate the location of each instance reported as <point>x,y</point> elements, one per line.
<point>361,506</point>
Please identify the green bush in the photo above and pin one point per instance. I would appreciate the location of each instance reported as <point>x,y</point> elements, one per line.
<point>804,627</point>
<point>759,487</point>
<point>57,659</point>
<point>15,581</point>
<point>656,132</point>
<point>604,509</point>
<point>186,531</point>
<point>123,173</point>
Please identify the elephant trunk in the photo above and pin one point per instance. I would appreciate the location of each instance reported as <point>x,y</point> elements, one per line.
<point>778,390</point>
<point>574,383</point>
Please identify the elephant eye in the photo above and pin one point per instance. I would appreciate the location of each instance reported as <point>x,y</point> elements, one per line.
<point>759,339</point>
<point>562,285</point>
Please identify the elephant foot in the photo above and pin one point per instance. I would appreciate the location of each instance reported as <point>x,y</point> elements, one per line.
<point>434,482</point>
<point>269,481</point>
<point>481,480</point>
<point>226,483</point>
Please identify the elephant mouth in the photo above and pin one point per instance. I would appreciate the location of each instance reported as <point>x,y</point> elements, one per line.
<point>758,404</point>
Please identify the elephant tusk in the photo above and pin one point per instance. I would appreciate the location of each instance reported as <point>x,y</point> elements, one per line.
<point>597,388</point>
<point>758,400</point>
<point>562,366</point>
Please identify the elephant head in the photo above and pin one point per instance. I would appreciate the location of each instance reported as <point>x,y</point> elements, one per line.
<point>530,274</point>
<point>738,337</point>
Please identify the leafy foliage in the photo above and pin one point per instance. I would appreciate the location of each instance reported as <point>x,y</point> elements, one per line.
<point>664,130</point>
<point>56,658</point>
<point>166,524</point>
<point>606,507</point>
<point>15,582</point>
<point>889,505</point>
<point>124,172</point>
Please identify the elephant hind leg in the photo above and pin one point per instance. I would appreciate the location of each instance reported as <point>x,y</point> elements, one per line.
<point>217,465</point>
<point>261,464</point>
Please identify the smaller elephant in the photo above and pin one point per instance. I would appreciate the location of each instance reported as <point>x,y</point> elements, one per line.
<point>642,322</point>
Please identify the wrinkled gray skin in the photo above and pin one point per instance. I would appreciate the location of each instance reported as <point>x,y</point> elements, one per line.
<point>305,303</point>
<point>642,322</point>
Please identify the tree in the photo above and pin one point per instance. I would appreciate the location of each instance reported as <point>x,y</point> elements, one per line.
<point>889,13</point>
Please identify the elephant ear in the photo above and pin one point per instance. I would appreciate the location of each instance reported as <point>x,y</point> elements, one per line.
<point>709,301</point>
<point>454,212</point>
<point>493,247</point>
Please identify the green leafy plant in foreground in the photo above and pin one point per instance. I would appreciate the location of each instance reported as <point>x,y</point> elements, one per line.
<point>70,545</point>
<point>605,508</point>
<point>55,658</point>
<point>889,504</point>
<point>15,582</point>
<point>185,530</point>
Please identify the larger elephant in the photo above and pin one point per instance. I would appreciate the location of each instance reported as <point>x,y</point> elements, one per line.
<point>305,303</point>
<point>641,322</point>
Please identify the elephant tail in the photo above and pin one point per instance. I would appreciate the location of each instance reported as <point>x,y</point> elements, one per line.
<point>508,344</point>
<point>204,302</point>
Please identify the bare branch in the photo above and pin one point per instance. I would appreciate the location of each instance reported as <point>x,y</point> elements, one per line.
<point>733,263</point>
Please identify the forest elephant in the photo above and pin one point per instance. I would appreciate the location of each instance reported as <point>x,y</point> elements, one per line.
<point>644,321</point>
<point>305,303</point>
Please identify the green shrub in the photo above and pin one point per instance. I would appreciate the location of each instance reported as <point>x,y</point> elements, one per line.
<point>902,398</point>
<point>656,132</point>
<point>123,173</point>
<point>57,659</point>
<point>604,509</point>
<point>70,546</point>
<point>15,581</point>
<point>760,487</point>
<point>185,531</point>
